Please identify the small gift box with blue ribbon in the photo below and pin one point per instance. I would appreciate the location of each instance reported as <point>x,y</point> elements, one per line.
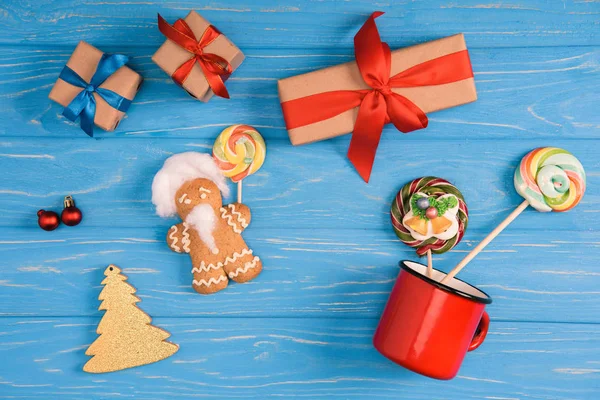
<point>95,87</point>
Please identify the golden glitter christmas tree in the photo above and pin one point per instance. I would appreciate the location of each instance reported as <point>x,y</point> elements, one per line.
<point>127,337</point>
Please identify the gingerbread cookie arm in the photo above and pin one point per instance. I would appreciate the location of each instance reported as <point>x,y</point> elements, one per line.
<point>178,238</point>
<point>237,216</point>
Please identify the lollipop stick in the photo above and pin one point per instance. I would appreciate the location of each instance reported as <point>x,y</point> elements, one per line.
<point>511,217</point>
<point>239,191</point>
<point>429,264</point>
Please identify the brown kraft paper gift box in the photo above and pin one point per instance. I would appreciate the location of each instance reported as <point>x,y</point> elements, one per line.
<point>84,61</point>
<point>347,77</point>
<point>170,56</point>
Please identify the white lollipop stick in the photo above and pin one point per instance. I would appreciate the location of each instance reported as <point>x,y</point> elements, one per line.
<point>239,191</point>
<point>511,217</point>
<point>429,264</point>
<point>550,179</point>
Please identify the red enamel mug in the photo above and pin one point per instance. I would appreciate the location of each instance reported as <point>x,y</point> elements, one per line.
<point>428,327</point>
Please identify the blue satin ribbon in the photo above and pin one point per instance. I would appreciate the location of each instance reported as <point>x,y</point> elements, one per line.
<point>84,104</point>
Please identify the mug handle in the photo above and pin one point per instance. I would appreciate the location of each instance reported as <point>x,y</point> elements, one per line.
<point>481,332</point>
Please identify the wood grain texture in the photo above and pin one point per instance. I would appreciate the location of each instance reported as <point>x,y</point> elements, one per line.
<point>525,93</point>
<point>306,24</point>
<point>311,274</point>
<point>245,358</point>
<point>311,186</point>
<point>302,329</point>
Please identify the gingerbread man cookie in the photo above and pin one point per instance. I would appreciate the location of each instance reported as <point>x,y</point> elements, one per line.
<point>190,185</point>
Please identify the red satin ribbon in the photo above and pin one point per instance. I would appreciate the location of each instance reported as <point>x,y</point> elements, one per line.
<point>377,106</point>
<point>216,69</point>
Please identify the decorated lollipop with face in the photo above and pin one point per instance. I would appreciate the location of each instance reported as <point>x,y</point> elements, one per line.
<point>430,214</point>
<point>239,151</point>
<point>549,179</point>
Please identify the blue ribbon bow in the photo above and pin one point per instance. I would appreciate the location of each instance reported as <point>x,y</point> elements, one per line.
<point>84,104</point>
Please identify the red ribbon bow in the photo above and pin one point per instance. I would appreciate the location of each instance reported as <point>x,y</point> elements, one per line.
<point>379,105</point>
<point>216,69</point>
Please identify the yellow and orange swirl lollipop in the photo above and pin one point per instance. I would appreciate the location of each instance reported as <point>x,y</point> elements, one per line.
<point>239,151</point>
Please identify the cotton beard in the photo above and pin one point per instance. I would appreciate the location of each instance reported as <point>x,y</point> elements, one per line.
<point>203,219</point>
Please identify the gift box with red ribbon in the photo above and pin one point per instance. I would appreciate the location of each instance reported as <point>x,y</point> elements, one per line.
<point>197,56</point>
<point>380,87</point>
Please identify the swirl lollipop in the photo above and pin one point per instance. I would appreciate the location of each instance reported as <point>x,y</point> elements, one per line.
<point>430,215</point>
<point>239,151</point>
<point>549,179</point>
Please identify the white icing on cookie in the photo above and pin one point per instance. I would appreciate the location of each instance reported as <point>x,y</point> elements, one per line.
<point>229,218</point>
<point>241,220</point>
<point>174,240</point>
<point>236,256</point>
<point>203,192</point>
<point>228,260</point>
<point>210,282</point>
<point>245,268</point>
<point>206,267</point>
<point>182,199</point>
<point>185,240</point>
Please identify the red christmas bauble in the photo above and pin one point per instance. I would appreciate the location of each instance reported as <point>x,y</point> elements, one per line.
<point>431,212</point>
<point>71,216</point>
<point>48,220</point>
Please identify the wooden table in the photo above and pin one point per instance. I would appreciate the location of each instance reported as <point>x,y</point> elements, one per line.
<point>304,328</point>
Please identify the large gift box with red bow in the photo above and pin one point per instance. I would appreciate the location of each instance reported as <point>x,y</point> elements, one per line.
<point>197,56</point>
<point>380,87</point>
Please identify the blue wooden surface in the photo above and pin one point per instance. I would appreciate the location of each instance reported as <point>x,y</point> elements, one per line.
<point>303,329</point>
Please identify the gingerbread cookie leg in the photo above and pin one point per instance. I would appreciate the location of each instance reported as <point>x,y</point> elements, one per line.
<point>209,278</point>
<point>243,267</point>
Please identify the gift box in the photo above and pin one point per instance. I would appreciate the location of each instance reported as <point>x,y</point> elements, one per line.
<point>197,56</point>
<point>89,82</point>
<point>381,86</point>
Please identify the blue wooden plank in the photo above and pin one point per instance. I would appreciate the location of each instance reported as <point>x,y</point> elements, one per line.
<point>295,358</point>
<point>523,93</point>
<point>310,186</point>
<point>535,276</point>
<point>303,328</point>
<point>293,23</point>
